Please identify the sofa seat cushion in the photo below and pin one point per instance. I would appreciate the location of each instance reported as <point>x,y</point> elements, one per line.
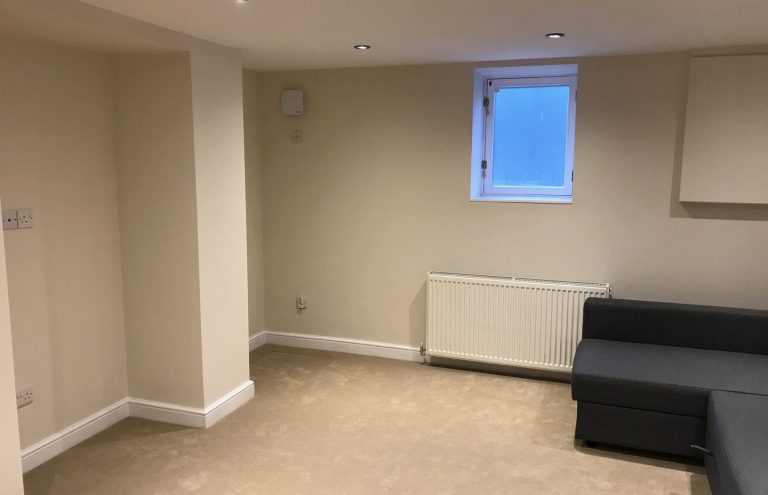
<point>675,380</point>
<point>737,436</point>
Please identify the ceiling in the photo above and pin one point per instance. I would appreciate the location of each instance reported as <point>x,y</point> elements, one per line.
<point>300,34</point>
<point>71,22</point>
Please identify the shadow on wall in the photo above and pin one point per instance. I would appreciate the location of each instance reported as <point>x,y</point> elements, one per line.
<point>417,317</point>
<point>711,211</point>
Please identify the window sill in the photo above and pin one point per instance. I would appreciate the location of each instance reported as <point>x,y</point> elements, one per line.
<point>524,199</point>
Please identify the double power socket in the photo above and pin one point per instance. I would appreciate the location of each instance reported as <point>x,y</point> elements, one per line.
<point>24,396</point>
<point>18,219</point>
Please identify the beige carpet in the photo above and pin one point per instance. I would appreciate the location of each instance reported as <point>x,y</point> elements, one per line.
<point>324,423</point>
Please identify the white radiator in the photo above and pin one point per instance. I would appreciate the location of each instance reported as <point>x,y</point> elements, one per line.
<point>522,322</point>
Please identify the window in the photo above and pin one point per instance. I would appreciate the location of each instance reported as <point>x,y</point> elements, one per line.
<point>523,133</point>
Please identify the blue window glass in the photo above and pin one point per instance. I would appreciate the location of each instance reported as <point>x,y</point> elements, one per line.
<point>530,126</point>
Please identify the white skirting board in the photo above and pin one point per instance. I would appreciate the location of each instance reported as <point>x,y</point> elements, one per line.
<point>257,341</point>
<point>336,344</point>
<point>190,416</point>
<point>55,444</point>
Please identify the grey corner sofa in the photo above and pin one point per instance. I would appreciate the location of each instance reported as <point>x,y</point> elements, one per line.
<point>678,379</point>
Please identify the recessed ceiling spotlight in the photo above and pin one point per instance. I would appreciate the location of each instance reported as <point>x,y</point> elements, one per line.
<point>241,1</point>
<point>362,47</point>
<point>555,36</point>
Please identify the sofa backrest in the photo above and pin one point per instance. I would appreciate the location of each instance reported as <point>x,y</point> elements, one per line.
<point>684,325</point>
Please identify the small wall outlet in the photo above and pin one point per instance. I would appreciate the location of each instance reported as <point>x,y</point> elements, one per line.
<point>297,136</point>
<point>10,220</point>
<point>24,396</point>
<point>26,218</point>
<point>301,303</point>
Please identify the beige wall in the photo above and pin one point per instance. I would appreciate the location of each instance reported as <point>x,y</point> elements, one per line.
<point>217,95</point>
<point>377,195</point>
<point>10,458</point>
<point>134,167</point>
<point>156,170</point>
<point>254,201</point>
<point>179,133</point>
<point>64,274</point>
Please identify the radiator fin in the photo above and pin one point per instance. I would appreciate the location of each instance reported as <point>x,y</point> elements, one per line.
<point>532,323</point>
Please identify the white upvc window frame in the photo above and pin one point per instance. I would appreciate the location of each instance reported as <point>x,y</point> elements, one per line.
<point>487,82</point>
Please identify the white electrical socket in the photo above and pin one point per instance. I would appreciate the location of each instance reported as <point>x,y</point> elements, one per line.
<point>297,136</point>
<point>301,303</point>
<point>26,218</point>
<point>24,396</point>
<point>10,220</point>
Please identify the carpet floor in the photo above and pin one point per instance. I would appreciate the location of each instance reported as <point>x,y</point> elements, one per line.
<point>327,423</point>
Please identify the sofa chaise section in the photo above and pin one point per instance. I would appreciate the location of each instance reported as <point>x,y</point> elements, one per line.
<point>737,438</point>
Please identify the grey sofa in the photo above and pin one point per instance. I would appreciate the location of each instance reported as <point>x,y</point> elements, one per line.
<point>678,379</point>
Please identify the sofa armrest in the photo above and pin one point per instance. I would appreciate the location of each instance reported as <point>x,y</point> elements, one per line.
<point>683,325</point>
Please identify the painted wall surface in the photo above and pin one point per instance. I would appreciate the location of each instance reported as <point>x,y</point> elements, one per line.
<point>378,194</point>
<point>158,214</point>
<point>254,200</point>
<point>64,274</point>
<point>217,96</point>
<point>134,167</point>
<point>10,455</point>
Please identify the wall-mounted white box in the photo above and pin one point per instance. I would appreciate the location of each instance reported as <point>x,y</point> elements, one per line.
<point>292,102</point>
<point>725,150</point>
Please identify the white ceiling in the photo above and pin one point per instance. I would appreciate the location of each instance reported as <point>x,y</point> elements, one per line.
<point>297,34</point>
<point>71,22</point>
